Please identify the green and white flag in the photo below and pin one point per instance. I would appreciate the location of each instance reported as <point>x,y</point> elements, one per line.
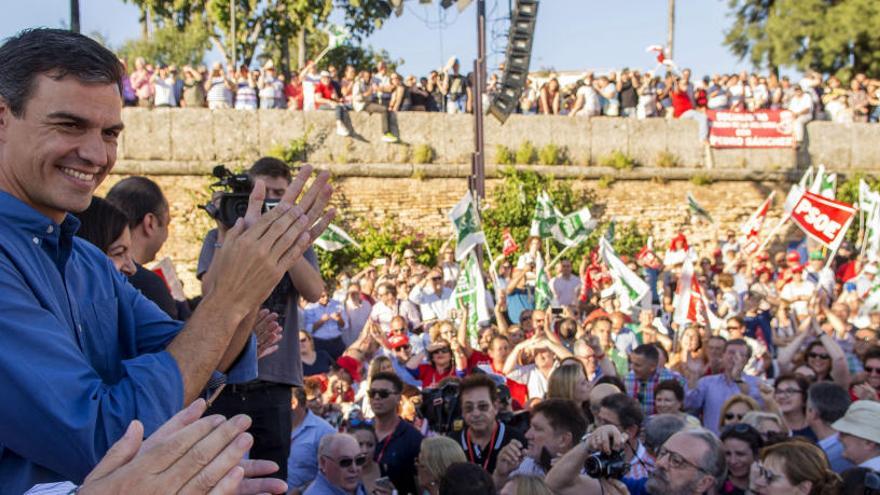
<point>337,35</point>
<point>824,184</point>
<point>545,221</point>
<point>466,222</point>
<point>867,197</point>
<point>470,292</point>
<point>698,210</point>
<point>334,239</point>
<point>576,227</point>
<point>628,286</point>
<point>871,242</point>
<point>543,295</point>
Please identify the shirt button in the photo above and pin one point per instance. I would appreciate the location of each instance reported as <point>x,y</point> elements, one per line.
<point>36,241</point>
<point>50,229</point>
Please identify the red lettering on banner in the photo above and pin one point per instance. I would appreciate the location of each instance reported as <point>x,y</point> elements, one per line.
<point>759,129</point>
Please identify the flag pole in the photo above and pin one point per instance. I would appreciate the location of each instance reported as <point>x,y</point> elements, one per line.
<point>559,256</point>
<point>773,232</point>
<point>838,243</point>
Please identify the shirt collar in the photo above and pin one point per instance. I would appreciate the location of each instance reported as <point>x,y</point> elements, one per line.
<point>19,215</point>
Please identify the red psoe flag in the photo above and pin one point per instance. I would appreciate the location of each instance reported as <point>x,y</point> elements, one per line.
<point>825,220</point>
<point>510,246</point>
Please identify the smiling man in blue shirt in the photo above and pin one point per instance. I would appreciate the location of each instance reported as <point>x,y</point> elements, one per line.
<point>82,353</point>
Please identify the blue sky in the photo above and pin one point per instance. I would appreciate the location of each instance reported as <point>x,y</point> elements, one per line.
<point>570,34</point>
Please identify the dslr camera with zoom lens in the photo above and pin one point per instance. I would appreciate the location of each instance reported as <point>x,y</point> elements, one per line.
<point>600,465</point>
<point>234,201</point>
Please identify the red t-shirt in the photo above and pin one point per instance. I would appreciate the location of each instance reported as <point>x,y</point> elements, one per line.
<point>294,92</point>
<point>324,91</point>
<point>681,103</point>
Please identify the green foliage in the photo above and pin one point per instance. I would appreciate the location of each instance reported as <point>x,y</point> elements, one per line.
<point>617,160</point>
<point>504,155</point>
<point>526,154</point>
<point>296,151</point>
<point>423,154</point>
<point>359,57</point>
<point>700,180</point>
<point>169,45</point>
<point>848,192</point>
<point>377,242</point>
<point>666,159</point>
<point>552,154</point>
<point>836,37</point>
<point>605,182</point>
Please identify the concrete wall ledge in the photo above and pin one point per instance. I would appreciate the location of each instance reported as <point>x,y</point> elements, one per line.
<point>435,171</point>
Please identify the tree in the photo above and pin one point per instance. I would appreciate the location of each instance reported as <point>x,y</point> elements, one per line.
<point>169,45</point>
<point>829,36</point>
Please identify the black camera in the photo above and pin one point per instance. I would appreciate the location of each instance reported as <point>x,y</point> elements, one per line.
<point>234,201</point>
<point>441,407</point>
<point>600,465</point>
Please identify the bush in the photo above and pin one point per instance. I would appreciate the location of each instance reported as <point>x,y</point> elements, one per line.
<point>552,154</point>
<point>848,192</point>
<point>617,160</point>
<point>526,154</point>
<point>504,155</point>
<point>423,154</point>
<point>296,151</point>
<point>700,180</point>
<point>605,182</point>
<point>666,159</point>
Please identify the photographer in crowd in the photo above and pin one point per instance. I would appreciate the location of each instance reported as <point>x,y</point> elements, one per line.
<point>267,399</point>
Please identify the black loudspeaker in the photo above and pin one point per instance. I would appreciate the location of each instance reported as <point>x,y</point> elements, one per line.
<point>516,60</point>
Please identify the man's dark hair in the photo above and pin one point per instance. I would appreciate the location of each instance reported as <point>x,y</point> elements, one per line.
<point>137,196</point>
<point>830,401</point>
<point>872,353</point>
<point>464,478</point>
<point>563,414</point>
<point>389,377</point>
<point>479,380</point>
<point>741,342</point>
<point>660,427</point>
<point>649,352</point>
<point>299,393</point>
<point>629,411</point>
<point>101,223</point>
<point>745,433</point>
<point>673,386</point>
<point>57,53</point>
<point>270,167</point>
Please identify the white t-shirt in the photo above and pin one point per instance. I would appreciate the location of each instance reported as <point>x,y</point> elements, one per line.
<point>800,103</point>
<point>793,290</point>
<point>164,92</point>
<point>592,107</point>
<point>565,292</point>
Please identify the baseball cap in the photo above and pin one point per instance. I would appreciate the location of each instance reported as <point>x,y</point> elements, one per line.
<point>351,365</point>
<point>396,341</point>
<point>796,269</point>
<point>817,255</point>
<point>860,421</point>
<point>871,269</point>
<point>793,257</point>
<point>324,73</point>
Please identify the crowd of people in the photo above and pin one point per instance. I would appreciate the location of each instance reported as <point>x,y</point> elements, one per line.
<point>375,382</point>
<point>624,93</point>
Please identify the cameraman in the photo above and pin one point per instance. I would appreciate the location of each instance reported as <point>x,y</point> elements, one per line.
<point>267,399</point>
<point>624,413</point>
<point>483,436</point>
<point>691,462</point>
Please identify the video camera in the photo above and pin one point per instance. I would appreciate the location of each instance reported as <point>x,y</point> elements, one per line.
<point>234,202</point>
<point>442,409</point>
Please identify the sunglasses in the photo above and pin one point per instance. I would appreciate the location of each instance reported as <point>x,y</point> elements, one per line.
<point>381,394</point>
<point>346,462</point>
<point>818,356</point>
<point>404,347</point>
<point>871,370</point>
<point>445,350</point>
<point>762,472</point>
<point>731,416</point>
<point>788,391</point>
<point>436,278</point>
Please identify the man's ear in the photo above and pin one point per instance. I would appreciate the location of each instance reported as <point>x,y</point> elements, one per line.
<point>5,118</point>
<point>150,223</point>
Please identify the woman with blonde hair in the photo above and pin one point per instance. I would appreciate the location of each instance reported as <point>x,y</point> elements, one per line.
<point>735,408</point>
<point>436,455</point>
<point>522,484</point>
<point>569,381</point>
<point>770,425</point>
<point>794,467</point>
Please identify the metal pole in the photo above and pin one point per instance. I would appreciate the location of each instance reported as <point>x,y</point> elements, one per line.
<point>670,35</point>
<point>478,165</point>
<point>74,16</point>
<point>234,41</point>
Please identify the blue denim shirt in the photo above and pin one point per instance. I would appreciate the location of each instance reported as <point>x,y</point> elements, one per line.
<point>82,352</point>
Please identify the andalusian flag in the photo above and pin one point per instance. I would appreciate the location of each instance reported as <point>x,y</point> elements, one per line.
<point>824,184</point>
<point>576,227</point>
<point>543,295</point>
<point>698,210</point>
<point>334,239</point>
<point>867,197</point>
<point>628,286</point>
<point>337,35</point>
<point>545,221</point>
<point>871,243</point>
<point>470,292</point>
<point>466,222</point>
